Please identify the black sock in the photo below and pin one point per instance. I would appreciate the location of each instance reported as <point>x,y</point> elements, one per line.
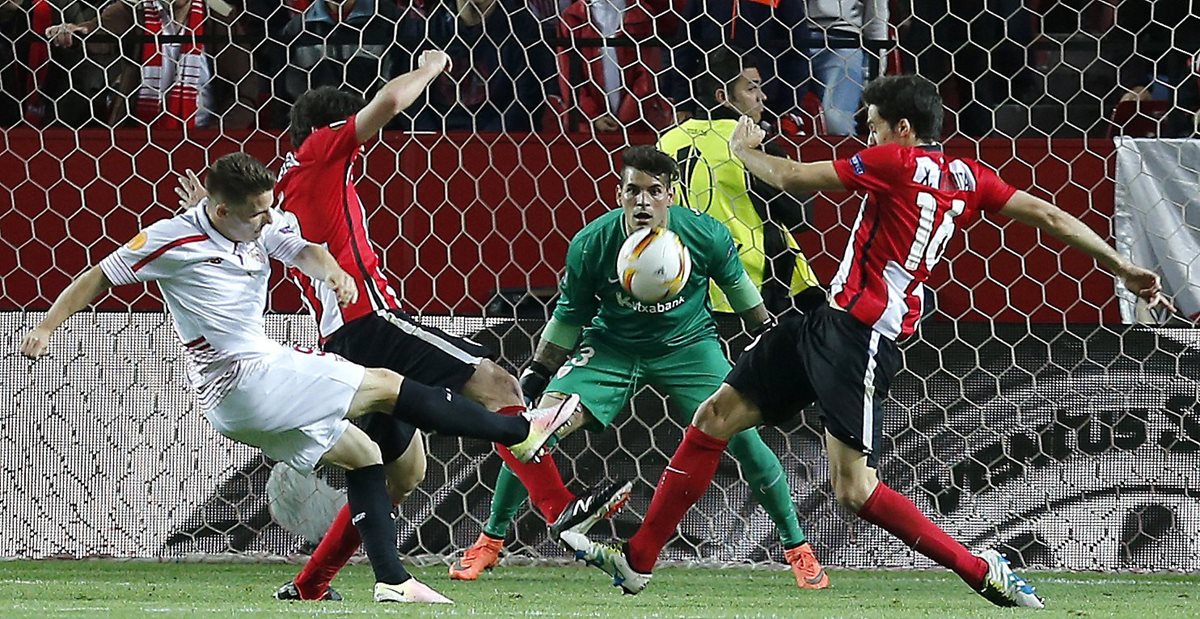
<point>371,513</point>
<point>444,412</point>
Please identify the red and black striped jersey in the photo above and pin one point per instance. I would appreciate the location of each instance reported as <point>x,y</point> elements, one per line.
<point>316,187</point>
<point>917,197</point>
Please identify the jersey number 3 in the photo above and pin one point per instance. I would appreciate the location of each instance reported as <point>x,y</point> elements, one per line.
<point>929,243</point>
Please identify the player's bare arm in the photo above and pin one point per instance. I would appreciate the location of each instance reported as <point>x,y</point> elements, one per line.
<point>780,172</point>
<point>398,94</point>
<point>316,262</point>
<point>1034,211</point>
<point>74,298</point>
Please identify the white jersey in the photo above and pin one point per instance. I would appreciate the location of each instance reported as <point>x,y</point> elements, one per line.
<point>215,289</point>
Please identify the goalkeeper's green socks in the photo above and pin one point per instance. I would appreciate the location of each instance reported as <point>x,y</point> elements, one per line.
<point>510,495</point>
<point>769,484</point>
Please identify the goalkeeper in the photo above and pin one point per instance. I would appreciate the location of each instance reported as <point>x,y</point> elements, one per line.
<point>626,345</point>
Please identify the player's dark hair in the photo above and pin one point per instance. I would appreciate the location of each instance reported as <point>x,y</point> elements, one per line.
<point>650,160</point>
<point>321,107</point>
<point>720,70</point>
<point>237,177</point>
<point>907,96</point>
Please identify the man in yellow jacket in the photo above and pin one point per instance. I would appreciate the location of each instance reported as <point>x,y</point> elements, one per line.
<point>711,180</point>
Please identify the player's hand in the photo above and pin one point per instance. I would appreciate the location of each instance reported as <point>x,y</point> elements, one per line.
<point>1147,286</point>
<point>747,135</point>
<point>534,379</point>
<point>63,35</point>
<point>435,58</point>
<point>190,190</point>
<point>343,287</point>
<point>35,343</point>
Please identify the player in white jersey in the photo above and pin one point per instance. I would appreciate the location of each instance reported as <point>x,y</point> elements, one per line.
<point>211,263</point>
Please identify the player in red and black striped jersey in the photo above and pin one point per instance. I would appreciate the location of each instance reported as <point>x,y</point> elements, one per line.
<point>316,190</point>
<point>844,355</point>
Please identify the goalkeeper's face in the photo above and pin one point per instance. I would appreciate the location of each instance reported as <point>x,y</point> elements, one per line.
<point>644,198</point>
<point>245,222</point>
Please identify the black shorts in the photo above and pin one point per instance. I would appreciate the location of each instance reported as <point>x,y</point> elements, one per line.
<point>826,356</point>
<point>395,341</point>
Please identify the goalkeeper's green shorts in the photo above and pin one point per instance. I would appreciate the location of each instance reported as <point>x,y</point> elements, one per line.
<point>606,378</point>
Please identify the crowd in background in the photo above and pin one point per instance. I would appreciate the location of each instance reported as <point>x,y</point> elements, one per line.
<point>580,65</point>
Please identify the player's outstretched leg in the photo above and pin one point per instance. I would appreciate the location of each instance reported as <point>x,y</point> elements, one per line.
<point>859,490</point>
<point>445,412</point>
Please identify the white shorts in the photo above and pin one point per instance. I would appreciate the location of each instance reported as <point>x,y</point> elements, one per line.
<point>290,404</point>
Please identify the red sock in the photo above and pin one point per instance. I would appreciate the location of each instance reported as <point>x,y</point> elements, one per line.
<point>335,549</point>
<point>897,515</point>
<point>686,479</point>
<point>542,479</point>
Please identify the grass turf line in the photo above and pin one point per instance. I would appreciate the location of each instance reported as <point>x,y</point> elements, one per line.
<point>43,589</point>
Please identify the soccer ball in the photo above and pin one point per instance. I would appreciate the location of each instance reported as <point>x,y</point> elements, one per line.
<point>653,264</point>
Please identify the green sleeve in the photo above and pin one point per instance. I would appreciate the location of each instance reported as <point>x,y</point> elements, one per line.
<point>561,334</point>
<point>577,302</point>
<point>725,265</point>
<point>743,294</point>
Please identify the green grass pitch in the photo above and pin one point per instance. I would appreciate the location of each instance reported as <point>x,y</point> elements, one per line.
<point>44,589</point>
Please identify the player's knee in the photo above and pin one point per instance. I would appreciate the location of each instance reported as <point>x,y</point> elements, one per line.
<point>406,480</point>
<point>377,393</point>
<point>724,414</point>
<point>493,387</point>
<point>852,491</point>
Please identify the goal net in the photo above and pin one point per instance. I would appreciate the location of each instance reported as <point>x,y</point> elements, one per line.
<point>1039,411</point>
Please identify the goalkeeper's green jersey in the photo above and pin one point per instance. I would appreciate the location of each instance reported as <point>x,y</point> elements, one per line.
<point>591,295</point>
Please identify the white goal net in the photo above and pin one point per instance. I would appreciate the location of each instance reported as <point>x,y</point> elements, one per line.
<point>1034,413</point>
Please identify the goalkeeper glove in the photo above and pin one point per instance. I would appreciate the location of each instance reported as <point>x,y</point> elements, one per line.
<point>534,379</point>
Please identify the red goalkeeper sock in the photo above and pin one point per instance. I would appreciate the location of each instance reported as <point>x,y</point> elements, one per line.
<point>335,549</point>
<point>682,483</point>
<point>542,479</point>
<point>894,513</point>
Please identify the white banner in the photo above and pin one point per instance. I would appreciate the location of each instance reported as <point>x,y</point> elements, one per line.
<point>1156,220</point>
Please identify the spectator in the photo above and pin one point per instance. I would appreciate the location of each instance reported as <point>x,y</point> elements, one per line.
<point>839,73</point>
<point>67,86</point>
<point>761,218</point>
<point>774,31</point>
<point>612,87</point>
<point>173,84</point>
<point>14,23</point>
<point>1154,48</point>
<point>977,46</point>
<point>501,67</point>
<point>353,45</point>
